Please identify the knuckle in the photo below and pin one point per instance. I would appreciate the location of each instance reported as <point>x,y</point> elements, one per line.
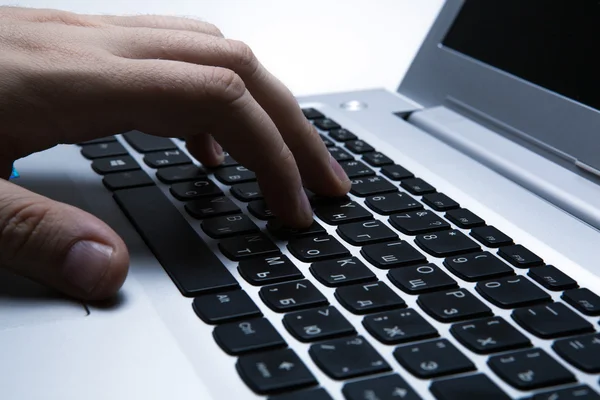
<point>243,56</point>
<point>210,29</point>
<point>19,225</point>
<point>226,85</point>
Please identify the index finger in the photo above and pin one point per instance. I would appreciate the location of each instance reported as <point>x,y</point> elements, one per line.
<point>319,171</point>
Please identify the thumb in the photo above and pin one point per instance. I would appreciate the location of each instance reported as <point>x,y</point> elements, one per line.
<point>59,245</point>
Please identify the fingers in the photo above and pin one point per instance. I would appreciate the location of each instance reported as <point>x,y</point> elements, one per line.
<point>59,245</point>
<point>205,149</point>
<point>189,98</point>
<point>319,171</point>
<point>159,22</point>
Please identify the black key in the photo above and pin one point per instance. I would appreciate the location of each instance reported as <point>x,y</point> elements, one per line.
<point>326,141</point>
<point>368,298</point>
<point>100,150</point>
<point>341,272</point>
<point>342,135</point>
<point>446,243</point>
<point>317,324</point>
<point>242,247</point>
<point>341,211</point>
<point>477,266</point>
<point>377,159</point>
<point>519,256</point>
<point>290,296</point>
<point>434,358</point>
<point>512,292</point>
<point>311,113</point>
<point>348,358</point>
<point>582,352</point>
<point>211,207</point>
<point>105,139</point>
<point>114,164</point>
<point>228,225</point>
<point>453,305</point>
<point>260,210</point>
<point>491,236</point>
<point>396,172</point>
<point>389,387</point>
<point>551,321</point>
<point>228,161</point>
<point>464,218</point>
<point>125,180</point>
<point>366,232</point>
<point>195,190</point>
<point>237,174</point>
<point>416,222</point>
<point>530,369</point>
<point>464,387</point>
<point>399,326</point>
<point>584,300</point>
<point>166,158</point>
<point>183,254</point>
<point>421,279</point>
<point>280,231</point>
<point>356,169</point>
<point>339,154</point>
<point>489,335</point>
<point>391,203</point>
<point>358,146</point>
<point>417,186</point>
<point>247,336</point>
<point>580,392</point>
<point>369,186</point>
<point>147,143</point>
<point>267,270</point>
<point>326,124</point>
<point>312,394</point>
<point>225,307</point>
<point>317,248</point>
<point>274,371</point>
<point>181,173</point>
<point>393,254</point>
<point>247,191</point>
<point>440,202</point>
<point>552,278</point>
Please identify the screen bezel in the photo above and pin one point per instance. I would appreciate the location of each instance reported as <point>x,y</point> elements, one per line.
<point>442,76</point>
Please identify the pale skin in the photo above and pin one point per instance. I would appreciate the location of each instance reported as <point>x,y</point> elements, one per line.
<point>67,78</point>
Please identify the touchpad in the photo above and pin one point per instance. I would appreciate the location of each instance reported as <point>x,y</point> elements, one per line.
<point>24,302</point>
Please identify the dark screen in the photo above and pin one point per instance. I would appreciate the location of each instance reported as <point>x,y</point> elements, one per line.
<point>551,43</point>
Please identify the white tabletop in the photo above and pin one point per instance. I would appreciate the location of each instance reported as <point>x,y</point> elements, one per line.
<point>313,46</point>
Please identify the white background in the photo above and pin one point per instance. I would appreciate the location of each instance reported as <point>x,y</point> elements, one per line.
<point>313,46</point>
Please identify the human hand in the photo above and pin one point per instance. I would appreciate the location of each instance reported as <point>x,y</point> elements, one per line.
<point>67,78</point>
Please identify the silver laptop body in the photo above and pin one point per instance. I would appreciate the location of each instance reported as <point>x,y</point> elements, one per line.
<point>521,156</point>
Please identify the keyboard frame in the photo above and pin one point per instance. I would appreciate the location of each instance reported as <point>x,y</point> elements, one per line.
<point>188,330</point>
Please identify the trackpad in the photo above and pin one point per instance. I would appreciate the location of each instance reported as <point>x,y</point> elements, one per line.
<point>24,303</point>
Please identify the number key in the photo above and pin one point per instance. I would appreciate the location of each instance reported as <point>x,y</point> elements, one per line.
<point>446,243</point>
<point>392,203</point>
<point>415,222</point>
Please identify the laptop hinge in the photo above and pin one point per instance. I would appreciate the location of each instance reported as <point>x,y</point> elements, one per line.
<point>587,167</point>
<point>574,193</point>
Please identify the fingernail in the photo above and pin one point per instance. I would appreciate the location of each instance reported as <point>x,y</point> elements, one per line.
<point>305,204</point>
<point>86,264</point>
<point>218,152</point>
<point>338,170</point>
<point>218,149</point>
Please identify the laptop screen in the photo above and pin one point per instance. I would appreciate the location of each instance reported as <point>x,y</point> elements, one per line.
<point>553,44</point>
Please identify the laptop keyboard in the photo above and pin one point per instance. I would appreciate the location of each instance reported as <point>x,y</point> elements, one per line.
<point>401,224</point>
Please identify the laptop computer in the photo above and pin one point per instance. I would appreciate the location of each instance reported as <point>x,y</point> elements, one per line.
<point>462,265</point>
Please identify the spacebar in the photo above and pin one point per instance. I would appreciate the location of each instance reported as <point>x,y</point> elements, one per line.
<point>183,254</point>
